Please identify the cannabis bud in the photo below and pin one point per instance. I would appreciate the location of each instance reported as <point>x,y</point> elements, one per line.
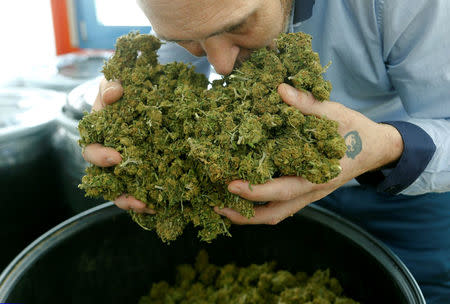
<point>204,282</point>
<point>182,142</point>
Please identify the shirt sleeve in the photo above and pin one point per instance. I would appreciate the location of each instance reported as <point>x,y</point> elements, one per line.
<point>416,51</point>
<point>171,51</point>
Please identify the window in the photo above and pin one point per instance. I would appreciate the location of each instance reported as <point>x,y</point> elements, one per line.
<point>99,23</point>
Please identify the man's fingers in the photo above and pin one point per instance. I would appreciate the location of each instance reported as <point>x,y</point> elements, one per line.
<point>127,202</point>
<point>296,98</point>
<point>279,189</point>
<point>307,104</point>
<point>263,215</point>
<point>270,214</point>
<point>109,92</point>
<point>101,156</point>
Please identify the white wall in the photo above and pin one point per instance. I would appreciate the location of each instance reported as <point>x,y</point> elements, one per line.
<point>26,36</point>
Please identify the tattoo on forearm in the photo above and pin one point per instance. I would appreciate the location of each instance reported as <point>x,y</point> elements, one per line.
<point>354,144</point>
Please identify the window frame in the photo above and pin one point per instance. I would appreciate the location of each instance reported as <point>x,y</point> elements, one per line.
<point>76,27</point>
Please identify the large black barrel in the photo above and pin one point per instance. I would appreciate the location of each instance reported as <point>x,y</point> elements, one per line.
<point>101,256</point>
<point>30,198</point>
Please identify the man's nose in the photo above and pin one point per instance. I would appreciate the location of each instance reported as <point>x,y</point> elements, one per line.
<point>221,52</point>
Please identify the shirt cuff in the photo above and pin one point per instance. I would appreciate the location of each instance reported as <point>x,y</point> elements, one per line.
<point>418,149</point>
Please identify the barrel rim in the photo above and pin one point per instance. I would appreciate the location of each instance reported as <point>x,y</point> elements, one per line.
<point>375,248</point>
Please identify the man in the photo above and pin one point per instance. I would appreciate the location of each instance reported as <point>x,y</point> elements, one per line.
<point>391,64</point>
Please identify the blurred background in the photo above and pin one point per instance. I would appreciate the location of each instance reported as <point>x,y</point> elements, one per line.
<point>51,56</point>
<point>35,32</point>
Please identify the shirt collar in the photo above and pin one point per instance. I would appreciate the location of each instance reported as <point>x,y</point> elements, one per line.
<point>301,10</point>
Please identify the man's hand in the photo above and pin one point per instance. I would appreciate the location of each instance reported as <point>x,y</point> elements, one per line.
<point>369,146</point>
<point>109,92</point>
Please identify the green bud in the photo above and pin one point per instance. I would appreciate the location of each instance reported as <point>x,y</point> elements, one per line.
<point>181,143</point>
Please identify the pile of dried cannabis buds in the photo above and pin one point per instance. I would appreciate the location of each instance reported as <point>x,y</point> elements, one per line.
<point>181,142</point>
<point>257,284</point>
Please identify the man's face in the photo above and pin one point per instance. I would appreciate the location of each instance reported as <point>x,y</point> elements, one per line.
<point>226,31</point>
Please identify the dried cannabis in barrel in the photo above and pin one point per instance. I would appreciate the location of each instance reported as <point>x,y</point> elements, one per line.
<point>181,143</point>
<point>255,284</point>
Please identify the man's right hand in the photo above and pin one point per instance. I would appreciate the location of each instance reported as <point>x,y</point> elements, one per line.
<point>109,92</point>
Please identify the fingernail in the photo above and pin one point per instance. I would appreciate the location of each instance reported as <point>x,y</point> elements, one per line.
<point>291,92</point>
<point>221,211</point>
<point>111,160</point>
<point>108,89</point>
<point>234,188</point>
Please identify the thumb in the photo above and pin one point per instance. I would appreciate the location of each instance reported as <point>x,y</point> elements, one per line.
<point>305,102</point>
<point>301,100</point>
